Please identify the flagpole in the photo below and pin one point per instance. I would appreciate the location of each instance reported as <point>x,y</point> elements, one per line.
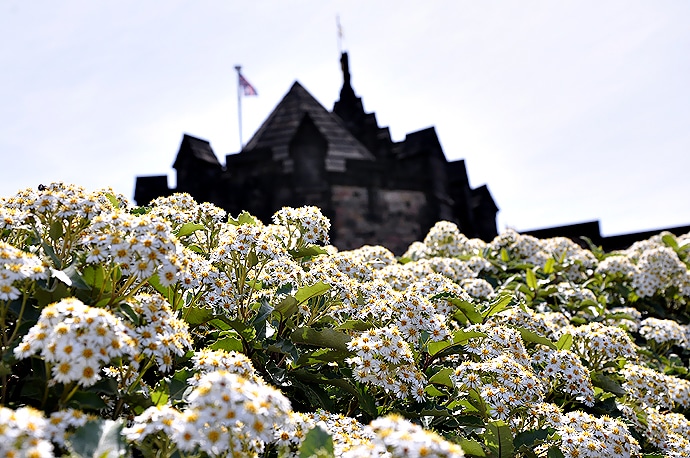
<point>239,103</point>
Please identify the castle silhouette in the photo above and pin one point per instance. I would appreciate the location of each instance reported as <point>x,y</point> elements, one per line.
<point>374,190</point>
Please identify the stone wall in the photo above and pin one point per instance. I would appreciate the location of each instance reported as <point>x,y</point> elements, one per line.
<point>392,218</point>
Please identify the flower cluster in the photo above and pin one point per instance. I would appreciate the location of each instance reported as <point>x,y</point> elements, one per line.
<point>565,371</point>
<point>159,334</point>
<point>226,413</point>
<point>583,435</point>
<point>306,225</point>
<point>663,331</point>
<point>507,387</point>
<point>140,245</point>
<point>181,208</point>
<point>24,433</point>
<point>445,239</point>
<point>646,386</point>
<point>397,437</point>
<point>384,359</point>
<point>215,360</point>
<point>15,267</point>
<point>77,341</point>
<point>667,431</point>
<point>599,344</point>
<point>349,435</point>
<point>659,269</point>
<point>229,412</point>
<point>62,423</point>
<point>499,340</point>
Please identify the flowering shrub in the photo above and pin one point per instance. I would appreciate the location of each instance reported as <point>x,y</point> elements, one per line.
<point>176,330</point>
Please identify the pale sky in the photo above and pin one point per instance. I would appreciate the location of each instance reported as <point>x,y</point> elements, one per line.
<point>569,111</point>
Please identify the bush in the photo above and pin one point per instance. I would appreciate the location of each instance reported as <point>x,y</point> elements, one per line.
<point>176,330</point>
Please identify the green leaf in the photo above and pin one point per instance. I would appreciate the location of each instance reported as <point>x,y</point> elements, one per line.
<point>548,267</point>
<point>431,390</point>
<point>531,279</point>
<point>243,218</point>
<point>435,347</point>
<point>308,252</point>
<point>284,346</point>
<point>87,400</point>
<point>155,281</point>
<point>76,281</point>
<point>56,230</point>
<point>499,439</point>
<point>554,452</point>
<point>98,438</point>
<point>321,356</point>
<point>465,312</point>
<point>355,325</point>
<point>504,255</point>
<point>565,342</point>
<point>471,447</point>
<point>112,199</point>
<point>442,377</point>
<point>230,341</point>
<point>287,307</point>
<point>187,229</point>
<point>51,254</point>
<point>96,278</point>
<point>533,337</point>
<point>138,211</point>
<point>531,438</point>
<point>317,444</point>
<point>161,393</point>
<point>305,293</point>
<point>329,338</point>
<point>497,306</point>
<point>195,315</point>
<point>670,240</point>
<point>606,383</point>
<point>461,337</point>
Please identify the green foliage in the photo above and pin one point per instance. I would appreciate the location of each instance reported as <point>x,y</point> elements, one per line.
<point>98,439</point>
<point>297,328</point>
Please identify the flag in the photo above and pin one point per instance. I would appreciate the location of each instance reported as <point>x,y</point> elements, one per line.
<point>247,88</point>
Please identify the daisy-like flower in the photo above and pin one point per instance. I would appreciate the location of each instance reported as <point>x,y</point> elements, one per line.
<point>142,245</point>
<point>16,266</point>
<point>583,435</point>
<point>162,418</point>
<point>381,354</point>
<point>65,330</point>
<point>598,344</point>
<point>226,412</point>
<point>306,226</point>
<point>663,331</point>
<point>402,439</point>
<point>208,360</point>
<point>565,373</point>
<point>647,386</point>
<point>61,424</point>
<point>160,334</point>
<point>24,433</point>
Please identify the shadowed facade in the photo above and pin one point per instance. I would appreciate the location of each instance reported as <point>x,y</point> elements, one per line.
<point>374,190</point>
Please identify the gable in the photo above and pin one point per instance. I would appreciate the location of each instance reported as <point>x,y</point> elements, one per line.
<point>282,125</point>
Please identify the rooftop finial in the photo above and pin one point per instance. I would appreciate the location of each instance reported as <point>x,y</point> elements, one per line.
<point>340,33</point>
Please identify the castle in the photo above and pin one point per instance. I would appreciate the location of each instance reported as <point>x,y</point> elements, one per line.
<point>374,190</point>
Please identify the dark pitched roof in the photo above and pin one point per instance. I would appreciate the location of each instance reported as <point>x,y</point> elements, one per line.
<point>281,125</point>
<point>422,141</point>
<point>196,148</point>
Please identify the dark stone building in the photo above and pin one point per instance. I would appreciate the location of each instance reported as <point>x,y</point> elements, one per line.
<point>374,190</point>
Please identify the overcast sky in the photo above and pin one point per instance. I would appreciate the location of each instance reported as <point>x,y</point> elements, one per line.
<point>569,111</point>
